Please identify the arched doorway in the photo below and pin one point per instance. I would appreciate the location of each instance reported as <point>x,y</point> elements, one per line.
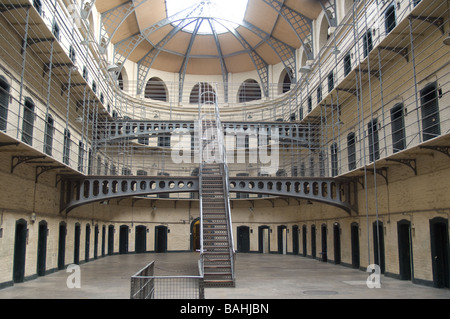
<point>243,234</point>
<point>62,245</point>
<point>264,239</point>
<point>141,239</point>
<point>404,249</point>
<point>337,243</point>
<point>323,229</point>
<point>110,240</point>
<point>195,235</point>
<point>440,252</point>
<point>295,248</point>
<point>42,248</point>
<point>76,245</point>
<point>378,245</point>
<point>354,229</point>
<point>123,239</point>
<point>20,245</point>
<point>282,239</point>
<point>161,239</point>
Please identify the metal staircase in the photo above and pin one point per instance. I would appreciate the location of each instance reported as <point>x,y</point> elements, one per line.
<point>217,247</point>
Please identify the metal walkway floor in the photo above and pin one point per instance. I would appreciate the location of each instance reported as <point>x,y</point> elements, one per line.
<point>258,276</point>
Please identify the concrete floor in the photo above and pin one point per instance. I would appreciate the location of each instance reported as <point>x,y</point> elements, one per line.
<point>258,277</point>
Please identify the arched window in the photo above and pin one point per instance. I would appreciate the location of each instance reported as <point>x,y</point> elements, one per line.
<point>249,91</point>
<point>4,103</point>
<point>390,19</point>
<point>28,121</point>
<point>323,32</point>
<point>285,81</point>
<point>156,90</point>
<point>205,91</point>
<point>38,6</point>
<point>66,151</point>
<point>49,131</point>
<point>120,80</point>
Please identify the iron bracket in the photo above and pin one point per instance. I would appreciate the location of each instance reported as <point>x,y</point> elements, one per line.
<point>403,52</point>
<point>438,22</point>
<point>17,160</point>
<point>411,163</point>
<point>443,149</point>
<point>42,169</point>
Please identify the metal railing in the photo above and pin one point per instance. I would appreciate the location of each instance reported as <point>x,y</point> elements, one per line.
<point>145,285</point>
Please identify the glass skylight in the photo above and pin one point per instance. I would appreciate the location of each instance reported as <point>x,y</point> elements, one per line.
<point>225,14</point>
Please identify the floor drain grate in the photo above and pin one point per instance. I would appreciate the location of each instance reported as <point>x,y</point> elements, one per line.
<point>320,292</point>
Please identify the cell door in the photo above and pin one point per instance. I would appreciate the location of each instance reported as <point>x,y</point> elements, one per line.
<point>243,244</point>
<point>123,239</point>
<point>20,245</point>
<point>141,239</point>
<point>404,249</point>
<point>440,252</point>
<point>378,245</point>
<point>264,239</point>
<point>430,112</point>
<point>295,247</point>
<point>161,239</point>
<point>337,243</point>
<point>355,245</point>
<point>323,229</point>
<point>42,248</point>
<point>313,241</point>
<point>110,240</point>
<point>282,240</point>
<point>76,245</point>
<point>62,245</point>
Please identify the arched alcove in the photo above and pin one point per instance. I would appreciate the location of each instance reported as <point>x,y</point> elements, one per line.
<point>156,90</point>
<point>249,91</point>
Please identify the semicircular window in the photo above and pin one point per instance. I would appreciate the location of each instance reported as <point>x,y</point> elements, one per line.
<point>156,90</point>
<point>249,91</point>
<point>206,93</point>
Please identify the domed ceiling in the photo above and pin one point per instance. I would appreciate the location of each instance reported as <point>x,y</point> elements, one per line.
<point>207,37</point>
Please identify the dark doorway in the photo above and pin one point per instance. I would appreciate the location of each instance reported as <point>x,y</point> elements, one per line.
<point>76,246</point>
<point>42,248</point>
<point>195,235</point>
<point>324,243</point>
<point>62,245</point>
<point>141,239</point>
<point>243,244</point>
<point>378,245</point>
<point>264,239</point>
<point>304,240</point>
<point>96,242</point>
<point>20,245</point>
<point>313,241</point>
<point>404,249</point>
<point>337,243</point>
<point>103,240</point>
<point>295,248</point>
<point>398,127</point>
<point>440,252</point>
<point>161,239</point>
<point>355,245</point>
<point>87,243</point>
<point>110,240</point>
<point>282,240</point>
<point>430,111</point>
<point>123,239</point>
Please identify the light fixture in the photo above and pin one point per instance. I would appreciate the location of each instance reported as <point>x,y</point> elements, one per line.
<point>336,51</point>
<point>113,68</point>
<point>447,39</point>
<point>86,42</point>
<point>305,69</point>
